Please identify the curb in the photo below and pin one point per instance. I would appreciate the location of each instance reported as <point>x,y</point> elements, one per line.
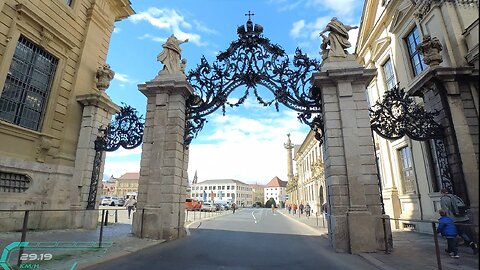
<point>317,231</point>
<point>379,264</point>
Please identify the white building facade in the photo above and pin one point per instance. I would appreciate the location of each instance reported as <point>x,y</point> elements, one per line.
<point>225,190</point>
<point>276,189</point>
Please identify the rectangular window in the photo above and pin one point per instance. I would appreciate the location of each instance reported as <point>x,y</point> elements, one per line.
<point>388,74</point>
<point>416,59</point>
<point>228,187</point>
<point>406,167</point>
<point>25,94</point>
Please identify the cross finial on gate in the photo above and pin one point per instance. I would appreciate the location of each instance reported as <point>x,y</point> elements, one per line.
<point>249,14</point>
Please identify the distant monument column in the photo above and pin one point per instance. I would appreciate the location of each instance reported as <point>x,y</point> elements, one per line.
<point>163,167</point>
<point>354,206</point>
<point>289,146</point>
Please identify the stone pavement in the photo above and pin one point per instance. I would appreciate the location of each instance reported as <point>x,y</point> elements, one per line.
<point>411,250</point>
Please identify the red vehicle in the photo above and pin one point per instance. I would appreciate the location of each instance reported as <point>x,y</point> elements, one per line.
<point>192,204</point>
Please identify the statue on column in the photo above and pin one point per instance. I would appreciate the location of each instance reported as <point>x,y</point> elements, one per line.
<point>337,39</point>
<point>171,56</point>
<point>103,76</point>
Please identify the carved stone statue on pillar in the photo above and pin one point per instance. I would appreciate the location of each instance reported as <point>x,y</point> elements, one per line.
<point>171,56</point>
<point>103,76</point>
<point>337,38</point>
<point>430,48</point>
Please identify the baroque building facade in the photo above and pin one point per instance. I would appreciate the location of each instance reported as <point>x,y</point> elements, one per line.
<point>430,49</point>
<point>308,184</point>
<point>52,103</point>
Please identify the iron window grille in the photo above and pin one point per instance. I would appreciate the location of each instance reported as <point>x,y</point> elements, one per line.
<point>407,174</point>
<point>388,74</point>
<point>416,59</point>
<point>14,182</point>
<point>27,86</point>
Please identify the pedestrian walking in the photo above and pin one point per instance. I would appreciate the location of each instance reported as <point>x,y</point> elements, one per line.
<point>456,209</point>
<point>294,208</point>
<point>307,210</point>
<point>289,208</point>
<point>273,208</point>
<point>130,203</point>
<point>448,230</point>
<point>234,207</point>
<point>301,207</point>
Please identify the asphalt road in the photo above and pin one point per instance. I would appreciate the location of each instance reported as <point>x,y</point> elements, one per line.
<point>249,239</point>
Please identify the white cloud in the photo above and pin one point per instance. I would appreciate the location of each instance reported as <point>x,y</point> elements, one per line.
<point>117,168</point>
<point>297,28</point>
<point>173,22</point>
<point>121,77</point>
<point>117,30</point>
<point>352,37</point>
<point>246,149</point>
<point>122,152</point>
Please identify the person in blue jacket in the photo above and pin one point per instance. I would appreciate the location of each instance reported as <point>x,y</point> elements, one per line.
<point>448,229</point>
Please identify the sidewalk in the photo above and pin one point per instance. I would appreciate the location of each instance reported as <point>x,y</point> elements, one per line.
<point>411,250</point>
<point>117,241</point>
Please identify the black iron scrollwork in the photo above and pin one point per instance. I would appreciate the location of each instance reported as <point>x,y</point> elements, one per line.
<point>125,130</point>
<point>250,61</point>
<point>398,115</point>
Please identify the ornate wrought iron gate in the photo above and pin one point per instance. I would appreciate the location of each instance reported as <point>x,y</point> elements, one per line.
<point>250,61</point>
<point>125,130</point>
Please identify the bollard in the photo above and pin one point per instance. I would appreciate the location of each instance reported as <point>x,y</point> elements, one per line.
<point>101,229</point>
<point>116,216</point>
<point>24,235</point>
<point>437,250</point>
<point>106,218</point>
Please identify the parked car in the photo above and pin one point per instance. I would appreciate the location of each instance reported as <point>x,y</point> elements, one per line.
<point>117,201</point>
<point>192,204</point>
<point>107,200</point>
<point>207,206</point>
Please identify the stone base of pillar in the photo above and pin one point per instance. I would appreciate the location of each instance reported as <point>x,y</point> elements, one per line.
<point>157,224</point>
<point>91,219</point>
<point>362,226</point>
<point>339,233</point>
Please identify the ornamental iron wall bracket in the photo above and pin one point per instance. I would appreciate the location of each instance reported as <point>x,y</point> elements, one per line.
<point>125,130</point>
<point>398,115</point>
<point>250,61</point>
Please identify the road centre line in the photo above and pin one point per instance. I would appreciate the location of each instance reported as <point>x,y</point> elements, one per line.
<point>254,217</point>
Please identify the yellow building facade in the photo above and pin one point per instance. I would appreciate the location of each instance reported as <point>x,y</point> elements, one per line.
<point>127,184</point>
<point>52,105</point>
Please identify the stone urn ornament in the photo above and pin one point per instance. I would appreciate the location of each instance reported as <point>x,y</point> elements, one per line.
<point>430,48</point>
<point>103,77</point>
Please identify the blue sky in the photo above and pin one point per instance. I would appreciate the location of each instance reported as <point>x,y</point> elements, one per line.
<point>247,143</point>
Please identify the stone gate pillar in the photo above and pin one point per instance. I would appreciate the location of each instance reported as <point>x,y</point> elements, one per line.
<point>349,161</point>
<point>163,167</point>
